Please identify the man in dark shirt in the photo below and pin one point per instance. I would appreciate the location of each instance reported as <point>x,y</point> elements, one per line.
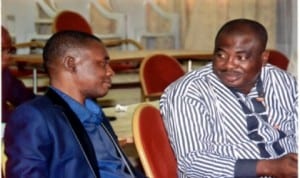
<point>14,91</point>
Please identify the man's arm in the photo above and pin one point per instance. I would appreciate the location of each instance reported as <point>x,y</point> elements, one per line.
<point>200,147</point>
<point>193,137</point>
<point>26,144</point>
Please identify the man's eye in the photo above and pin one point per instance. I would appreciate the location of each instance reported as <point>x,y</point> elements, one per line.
<point>242,58</point>
<point>103,63</point>
<point>221,55</point>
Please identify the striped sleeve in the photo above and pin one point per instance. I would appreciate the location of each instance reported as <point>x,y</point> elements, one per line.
<point>193,137</point>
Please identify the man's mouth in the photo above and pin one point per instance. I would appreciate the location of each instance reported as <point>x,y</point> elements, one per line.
<point>230,77</point>
<point>108,82</point>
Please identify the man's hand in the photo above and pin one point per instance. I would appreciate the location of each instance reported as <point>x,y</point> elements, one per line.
<point>284,167</point>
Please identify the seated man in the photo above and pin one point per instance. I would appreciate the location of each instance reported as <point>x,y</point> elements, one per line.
<point>236,117</point>
<point>14,91</point>
<point>65,133</point>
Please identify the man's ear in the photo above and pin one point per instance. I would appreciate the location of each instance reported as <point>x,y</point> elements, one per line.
<point>69,63</point>
<point>265,57</point>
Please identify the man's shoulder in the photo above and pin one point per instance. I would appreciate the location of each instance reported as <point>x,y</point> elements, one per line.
<point>269,71</point>
<point>38,104</point>
<point>197,76</point>
<point>191,82</point>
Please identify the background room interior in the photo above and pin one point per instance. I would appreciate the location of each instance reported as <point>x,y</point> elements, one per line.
<point>155,24</point>
<point>181,26</point>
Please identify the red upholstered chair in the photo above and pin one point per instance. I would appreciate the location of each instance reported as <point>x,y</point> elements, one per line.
<point>278,59</point>
<point>157,72</point>
<point>152,143</point>
<point>69,20</point>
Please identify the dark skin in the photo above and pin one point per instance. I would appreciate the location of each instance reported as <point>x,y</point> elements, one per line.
<point>284,167</point>
<point>6,46</point>
<point>238,59</point>
<point>87,71</point>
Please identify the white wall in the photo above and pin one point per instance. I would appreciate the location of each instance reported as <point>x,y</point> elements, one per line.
<point>18,16</point>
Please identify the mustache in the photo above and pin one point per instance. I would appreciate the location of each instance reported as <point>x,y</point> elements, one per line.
<point>107,80</point>
<point>230,72</point>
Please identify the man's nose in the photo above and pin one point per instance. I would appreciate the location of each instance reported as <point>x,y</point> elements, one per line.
<point>110,71</point>
<point>231,62</point>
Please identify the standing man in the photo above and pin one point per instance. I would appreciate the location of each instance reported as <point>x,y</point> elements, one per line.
<point>65,133</point>
<point>236,117</point>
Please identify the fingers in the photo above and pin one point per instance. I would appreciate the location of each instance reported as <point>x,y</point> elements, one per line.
<point>293,156</point>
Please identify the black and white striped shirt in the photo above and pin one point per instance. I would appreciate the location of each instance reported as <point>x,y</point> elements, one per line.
<point>207,127</point>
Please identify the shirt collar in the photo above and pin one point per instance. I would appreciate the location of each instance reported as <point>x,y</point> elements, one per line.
<point>90,112</point>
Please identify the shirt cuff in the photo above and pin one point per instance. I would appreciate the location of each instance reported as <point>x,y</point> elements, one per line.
<point>245,168</point>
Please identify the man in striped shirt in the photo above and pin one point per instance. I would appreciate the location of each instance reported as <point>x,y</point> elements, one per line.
<point>236,117</point>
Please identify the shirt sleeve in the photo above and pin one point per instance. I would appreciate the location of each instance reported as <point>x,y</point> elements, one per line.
<point>245,168</point>
<point>193,134</point>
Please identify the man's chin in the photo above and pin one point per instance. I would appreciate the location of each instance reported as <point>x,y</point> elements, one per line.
<point>103,93</point>
<point>231,83</point>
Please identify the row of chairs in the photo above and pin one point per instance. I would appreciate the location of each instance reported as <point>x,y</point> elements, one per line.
<point>156,73</point>
<point>114,22</point>
<point>70,20</point>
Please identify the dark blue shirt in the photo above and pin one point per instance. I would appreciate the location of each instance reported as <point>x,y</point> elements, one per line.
<point>90,114</point>
<point>14,93</point>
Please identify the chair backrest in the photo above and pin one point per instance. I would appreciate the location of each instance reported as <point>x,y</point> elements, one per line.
<point>127,66</point>
<point>120,42</point>
<point>115,20</point>
<point>46,8</point>
<point>69,20</point>
<point>152,143</point>
<point>157,72</point>
<point>169,31</point>
<point>278,59</point>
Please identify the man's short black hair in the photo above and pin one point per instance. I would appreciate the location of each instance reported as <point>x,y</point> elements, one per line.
<point>62,41</point>
<point>234,26</point>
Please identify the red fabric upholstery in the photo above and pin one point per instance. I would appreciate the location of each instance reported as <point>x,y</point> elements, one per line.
<point>278,59</point>
<point>154,142</point>
<point>158,71</point>
<point>69,20</point>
